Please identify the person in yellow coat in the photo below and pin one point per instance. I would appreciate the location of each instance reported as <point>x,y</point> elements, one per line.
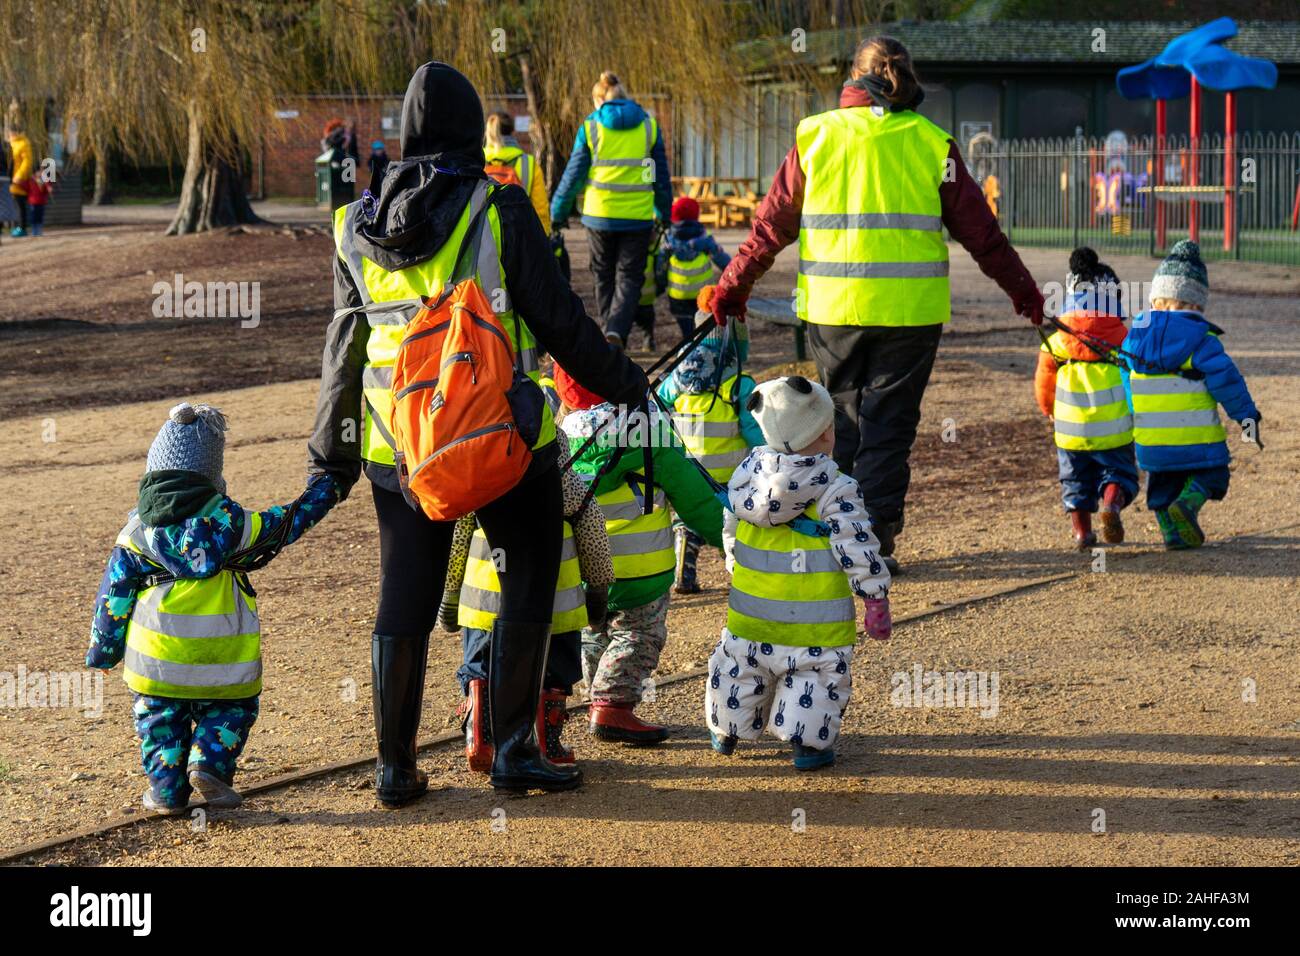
<point>21,147</point>
<point>507,162</point>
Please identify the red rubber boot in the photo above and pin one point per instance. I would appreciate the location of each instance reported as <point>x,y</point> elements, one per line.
<point>551,715</point>
<point>478,737</point>
<point>1081,522</point>
<point>616,722</point>
<point>1113,501</point>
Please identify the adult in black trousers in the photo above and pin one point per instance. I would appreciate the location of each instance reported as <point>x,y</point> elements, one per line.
<point>423,199</point>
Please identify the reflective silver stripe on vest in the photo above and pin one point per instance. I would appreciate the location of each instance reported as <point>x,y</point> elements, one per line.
<point>640,542</point>
<point>393,312</point>
<point>873,270</point>
<point>704,270</point>
<point>528,359</point>
<point>1173,385</point>
<point>690,426</point>
<point>525,173</point>
<point>146,614</point>
<point>377,376</point>
<point>191,675</point>
<point>478,599</point>
<point>833,611</point>
<point>870,220</point>
<point>480,549</point>
<point>1115,426</point>
<point>1104,396</point>
<point>622,187</point>
<point>723,459</point>
<point>810,560</point>
<point>692,287</point>
<point>1197,418</point>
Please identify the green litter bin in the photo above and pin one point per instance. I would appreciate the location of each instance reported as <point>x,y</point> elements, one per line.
<point>332,190</point>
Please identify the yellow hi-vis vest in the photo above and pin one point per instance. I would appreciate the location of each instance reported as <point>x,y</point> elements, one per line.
<point>621,182</point>
<point>710,429</point>
<point>789,588</point>
<point>480,594</point>
<point>642,544</point>
<point>1171,410</point>
<point>871,249</point>
<point>648,283</point>
<point>391,299</point>
<point>686,277</point>
<point>194,638</point>
<point>1090,412</point>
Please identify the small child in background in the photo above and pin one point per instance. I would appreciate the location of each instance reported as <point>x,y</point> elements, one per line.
<point>39,194</point>
<point>691,254</point>
<point>471,601</point>
<point>1082,391</point>
<point>619,654</point>
<point>708,393</point>
<point>1179,376</point>
<point>784,657</point>
<point>176,607</point>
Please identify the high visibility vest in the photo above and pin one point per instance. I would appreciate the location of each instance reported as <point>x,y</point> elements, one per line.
<point>710,428</point>
<point>871,249</point>
<point>1091,410</point>
<point>788,588</point>
<point>621,182</point>
<point>480,594</point>
<point>524,165</point>
<point>391,299</point>
<point>194,638</point>
<point>1171,410</point>
<point>686,277</point>
<point>642,544</point>
<point>648,283</point>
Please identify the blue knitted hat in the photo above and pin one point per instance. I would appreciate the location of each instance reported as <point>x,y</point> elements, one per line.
<point>1182,276</point>
<point>192,439</point>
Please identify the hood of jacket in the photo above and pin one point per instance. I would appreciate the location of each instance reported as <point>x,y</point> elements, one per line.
<point>1162,341</point>
<point>772,487</point>
<point>169,496</point>
<point>618,114</point>
<point>1098,325</point>
<point>416,206</point>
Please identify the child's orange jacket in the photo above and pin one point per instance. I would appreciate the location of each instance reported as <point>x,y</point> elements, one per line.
<point>1109,328</point>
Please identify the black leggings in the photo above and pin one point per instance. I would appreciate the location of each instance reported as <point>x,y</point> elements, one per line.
<point>525,524</point>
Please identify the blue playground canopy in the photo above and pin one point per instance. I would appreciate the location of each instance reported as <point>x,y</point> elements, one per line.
<point>1168,76</point>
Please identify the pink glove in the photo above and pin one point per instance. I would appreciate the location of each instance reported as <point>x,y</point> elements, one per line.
<point>877,622</point>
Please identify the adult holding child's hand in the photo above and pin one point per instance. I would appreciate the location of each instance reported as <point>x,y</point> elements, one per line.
<point>867,191</point>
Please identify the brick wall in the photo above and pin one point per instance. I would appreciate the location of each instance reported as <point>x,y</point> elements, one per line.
<point>285,167</point>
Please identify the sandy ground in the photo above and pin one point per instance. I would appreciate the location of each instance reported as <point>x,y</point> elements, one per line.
<point>1160,691</point>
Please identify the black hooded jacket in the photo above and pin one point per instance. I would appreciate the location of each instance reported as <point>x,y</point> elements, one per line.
<point>418,208</point>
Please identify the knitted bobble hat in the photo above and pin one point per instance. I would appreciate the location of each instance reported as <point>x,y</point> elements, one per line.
<point>192,439</point>
<point>1182,276</point>
<point>792,412</point>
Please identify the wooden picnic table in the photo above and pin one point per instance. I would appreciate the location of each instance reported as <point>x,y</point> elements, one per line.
<point>724,200</point>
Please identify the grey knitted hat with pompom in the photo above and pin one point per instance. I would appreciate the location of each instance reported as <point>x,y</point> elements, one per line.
<point>192,439</point>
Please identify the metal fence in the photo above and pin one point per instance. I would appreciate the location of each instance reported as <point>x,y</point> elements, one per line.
<point>1140,195</point>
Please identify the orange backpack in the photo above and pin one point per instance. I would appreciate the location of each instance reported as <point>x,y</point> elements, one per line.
<point>504,173</point>
<point>465,414</point>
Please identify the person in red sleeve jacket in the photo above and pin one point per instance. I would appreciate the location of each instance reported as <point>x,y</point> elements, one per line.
<point>866,192</point>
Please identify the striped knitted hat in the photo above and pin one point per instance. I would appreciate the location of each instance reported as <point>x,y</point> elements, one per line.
<point>1182,276</point>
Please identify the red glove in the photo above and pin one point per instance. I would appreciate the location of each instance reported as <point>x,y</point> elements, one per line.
<point>877,621</point>
<point>727,303</point>
<point>1029,303</point>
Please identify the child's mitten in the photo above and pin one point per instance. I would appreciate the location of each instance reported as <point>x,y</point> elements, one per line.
<point>877,621</point>
<point>597,606</point>
<point>449,611</point>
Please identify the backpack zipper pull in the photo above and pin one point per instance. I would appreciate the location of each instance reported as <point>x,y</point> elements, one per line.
<point>473,372</point>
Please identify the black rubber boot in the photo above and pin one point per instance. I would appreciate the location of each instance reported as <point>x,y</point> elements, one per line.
<point>886,532</point>
<point>397,668</point>
<point>515,667</point>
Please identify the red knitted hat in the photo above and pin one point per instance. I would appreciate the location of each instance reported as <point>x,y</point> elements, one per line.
<point>685,209</point>
<point>573,394</point>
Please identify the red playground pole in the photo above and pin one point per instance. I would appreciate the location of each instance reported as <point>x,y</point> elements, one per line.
<point>1229,169</point>
<point>1193,211</point>
<point>1158,174</point>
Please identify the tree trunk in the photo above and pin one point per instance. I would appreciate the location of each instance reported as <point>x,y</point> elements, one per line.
<point>103,195</point>
<point>538,133</point>
<point>212,191</point>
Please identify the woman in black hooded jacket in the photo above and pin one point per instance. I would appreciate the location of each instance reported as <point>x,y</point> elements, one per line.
<point>419,203</point>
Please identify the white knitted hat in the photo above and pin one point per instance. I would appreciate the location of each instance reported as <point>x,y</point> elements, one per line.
<point>792,412</point>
